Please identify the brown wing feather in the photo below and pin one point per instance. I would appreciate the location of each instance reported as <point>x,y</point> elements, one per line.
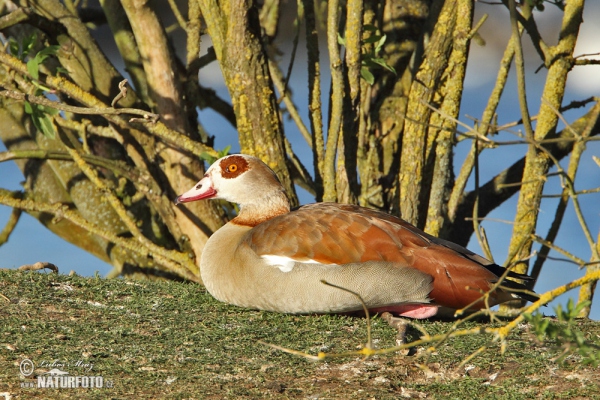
<point>332,233</point>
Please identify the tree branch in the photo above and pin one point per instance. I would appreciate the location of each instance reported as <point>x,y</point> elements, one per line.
<point>10,225</point>
<point>441,150</point>
<point>62,211</point>
<point>537,162</point>
<point>336,103</point>
<point>414,141</point>
<point>314,97</point>
<point>13,94</point>
<point>504,185</point>
<point>236,33</point>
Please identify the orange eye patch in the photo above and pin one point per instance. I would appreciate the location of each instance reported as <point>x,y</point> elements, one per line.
<point>233,166</point>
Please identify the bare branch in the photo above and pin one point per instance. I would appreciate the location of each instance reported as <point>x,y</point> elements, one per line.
<point>15,214</point>
<point>77,110</point>
<point>336,105</point>
<point>62,211</point>
<point>536,161</point>
<point>508,182</point>
<point>314,97</point>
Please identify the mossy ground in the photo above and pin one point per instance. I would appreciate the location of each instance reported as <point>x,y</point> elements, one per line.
<point>173,340</point>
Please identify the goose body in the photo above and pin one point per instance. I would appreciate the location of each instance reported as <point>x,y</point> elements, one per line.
<point>272,258</point>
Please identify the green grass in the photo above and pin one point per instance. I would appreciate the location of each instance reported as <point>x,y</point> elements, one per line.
<point>173,340</point>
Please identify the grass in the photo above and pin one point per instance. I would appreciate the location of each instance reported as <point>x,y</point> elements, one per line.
<point>173,340</point>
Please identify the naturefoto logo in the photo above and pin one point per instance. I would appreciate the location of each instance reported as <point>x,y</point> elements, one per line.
<point>58,378</point>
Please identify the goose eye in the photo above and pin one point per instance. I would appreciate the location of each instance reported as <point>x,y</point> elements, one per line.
<point>233,166</point>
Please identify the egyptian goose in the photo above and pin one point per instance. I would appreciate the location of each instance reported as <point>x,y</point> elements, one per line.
<point>272,258</point>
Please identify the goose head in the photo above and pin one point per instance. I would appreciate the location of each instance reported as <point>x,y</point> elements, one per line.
<point>244,180</point>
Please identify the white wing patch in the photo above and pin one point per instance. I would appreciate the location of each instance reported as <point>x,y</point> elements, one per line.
<point>285,264</point>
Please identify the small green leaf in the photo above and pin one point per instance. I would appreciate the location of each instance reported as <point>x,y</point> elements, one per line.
<point>382,63</point>
<point>367,75</point>
<point>224,152</point>
<point>28,108</point>
<point>380,44</point>
<point>27,45</point>
<point>41,116</point>
<point>208,157</point>
<point>13,46</point>
<point>33,67</point>
<point>373,39</point>
<point>341,40</point>
<point>46,52</point>
<point>44,123</point>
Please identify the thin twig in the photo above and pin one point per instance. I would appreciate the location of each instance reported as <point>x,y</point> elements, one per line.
<point>122,92</point>
<point>473,133</point>
<point>577,193</point>
<point>297,22</point>
<point>75,109</point>
<point>287,100</point>
<point>116,166</point>
<point>520,67</point>
<point>180,20</point>
<point>476,227</point>
<point>369,344</point>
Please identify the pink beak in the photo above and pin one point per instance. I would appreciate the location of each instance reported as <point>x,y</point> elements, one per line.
<point>202,190</point>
